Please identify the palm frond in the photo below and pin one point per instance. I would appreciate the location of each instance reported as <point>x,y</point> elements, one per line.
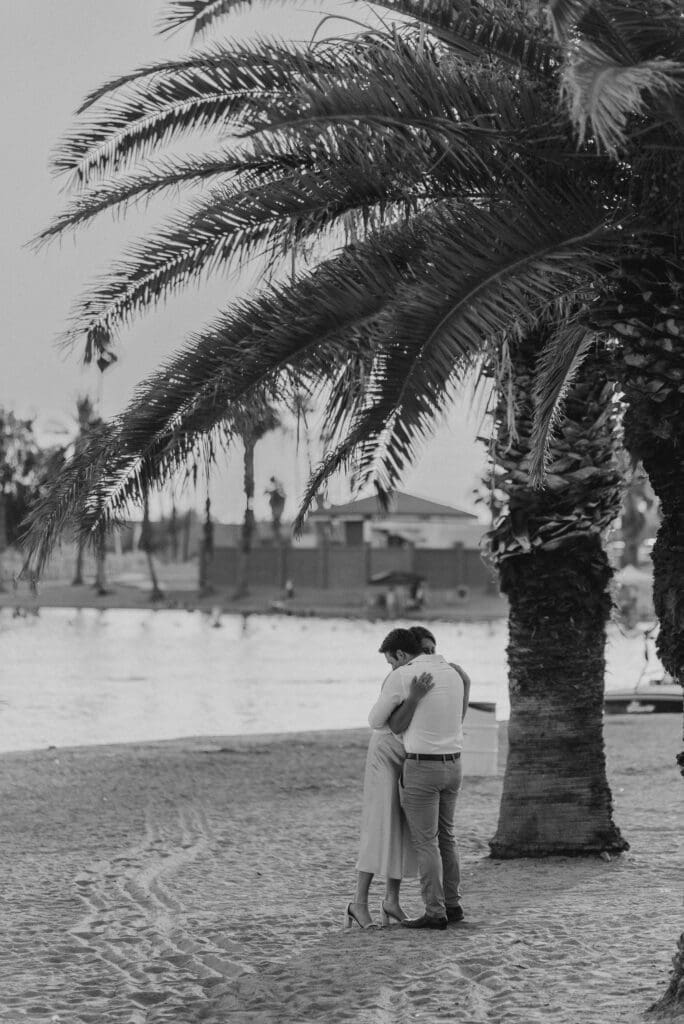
<point>470,32</point>
<point>223,232</point>
<point>459,128</point>
<point>217,90</point>
<point>297,335</point>
<point>602,96</point>
<point>325,177</point>
<point>625,31</point>
<point>557,367</point>
<point>54,509</point>
<point>384,80</point>
<point>155,179</point>
<point>200,14</point>
<point>486,275</point>
<point>564,15</point>
<point>415,305</point>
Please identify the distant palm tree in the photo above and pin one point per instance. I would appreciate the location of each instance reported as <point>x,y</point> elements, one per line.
<point>146,544</point>
<point>258,422</point>
<point>206,548</point>
<point>87,420</point>
<point>20,460</point>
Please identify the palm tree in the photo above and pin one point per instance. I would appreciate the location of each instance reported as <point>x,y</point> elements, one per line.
<point>20,472</point>
<point>206,548</point>
<point>87,420</point>
<point>146,544</point>
<point>548,546</point>
<point>445,159</point>
<point>261,419</point>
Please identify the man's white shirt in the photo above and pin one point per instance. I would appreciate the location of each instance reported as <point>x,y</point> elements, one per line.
<point>436,727</point>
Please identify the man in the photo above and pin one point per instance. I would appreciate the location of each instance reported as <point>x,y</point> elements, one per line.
<point>431,776</point>
<point>428,645</point>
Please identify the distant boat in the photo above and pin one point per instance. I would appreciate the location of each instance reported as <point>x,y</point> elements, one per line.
<point>655,690</point>
<point>657,695</point>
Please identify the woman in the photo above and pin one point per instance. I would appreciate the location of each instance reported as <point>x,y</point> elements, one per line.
<point>386,849</point>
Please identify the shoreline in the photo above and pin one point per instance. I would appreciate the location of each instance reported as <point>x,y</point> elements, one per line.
<point>266,601</point>
<point>205,878</point>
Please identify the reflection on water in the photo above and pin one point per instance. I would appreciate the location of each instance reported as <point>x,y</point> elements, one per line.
<point>72,677</point>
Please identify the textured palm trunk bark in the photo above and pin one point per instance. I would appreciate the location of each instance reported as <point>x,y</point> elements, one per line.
<point>664,463</point>
<point>648,317</point>
<point>663,460</point>
<point>556,798</point>
<point>665,468</point>
<point>548,547</point>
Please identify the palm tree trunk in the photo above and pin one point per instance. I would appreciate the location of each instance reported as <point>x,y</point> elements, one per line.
<point>206,549</point>
<point>100,563</point>
<point>649,320</point>
<point>146,545</point>
<point>556,799</point>
<point>157,593</point>
<point>248,524</point>
<point>78,571</point>
<point>173,531</point>
<point>547,546</point>
<point>663,460</point>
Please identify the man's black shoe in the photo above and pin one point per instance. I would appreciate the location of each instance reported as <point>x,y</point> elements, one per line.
<point>455,913</point>
<point>425,922</point>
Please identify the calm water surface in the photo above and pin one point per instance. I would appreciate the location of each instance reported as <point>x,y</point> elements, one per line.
<point>71,677</point>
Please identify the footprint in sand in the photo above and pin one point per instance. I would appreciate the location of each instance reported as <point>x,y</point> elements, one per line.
<point>138,928</point>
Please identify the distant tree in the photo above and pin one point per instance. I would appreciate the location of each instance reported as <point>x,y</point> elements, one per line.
<point>147,545</point>
<point>207,549</point>
<point>173,531</point>
<point>20,460</point>
<point>25,470</point>
<point>262,419</point>
<point>88,421</point>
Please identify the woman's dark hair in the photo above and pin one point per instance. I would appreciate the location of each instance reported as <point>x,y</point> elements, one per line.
<point>421,633</point>
<point>400,640</point>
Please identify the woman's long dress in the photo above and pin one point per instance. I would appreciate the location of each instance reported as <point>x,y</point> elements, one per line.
<point>386,849</point>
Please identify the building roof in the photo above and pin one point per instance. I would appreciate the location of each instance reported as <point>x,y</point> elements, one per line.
<point>401,504</point>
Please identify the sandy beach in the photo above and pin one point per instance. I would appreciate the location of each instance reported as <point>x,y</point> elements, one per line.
<point>205,880</point>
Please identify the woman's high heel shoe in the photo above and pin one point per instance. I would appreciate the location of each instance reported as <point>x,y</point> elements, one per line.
<point>350,916</point>
<point>388,914</point>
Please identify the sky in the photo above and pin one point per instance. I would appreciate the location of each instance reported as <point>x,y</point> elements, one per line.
<point>51,55</point>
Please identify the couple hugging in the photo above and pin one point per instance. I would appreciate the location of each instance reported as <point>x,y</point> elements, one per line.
<point>411,782</point>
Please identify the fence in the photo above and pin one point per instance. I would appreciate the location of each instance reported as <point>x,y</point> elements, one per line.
<point>343,568</point>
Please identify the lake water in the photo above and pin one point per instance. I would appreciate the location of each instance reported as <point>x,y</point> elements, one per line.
<point>73,677</point>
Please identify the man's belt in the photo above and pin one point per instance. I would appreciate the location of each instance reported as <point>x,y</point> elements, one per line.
<point>433,757</point>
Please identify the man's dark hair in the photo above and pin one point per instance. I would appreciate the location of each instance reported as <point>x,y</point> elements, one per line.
<point>422,633</point>
<point>400,640</point>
